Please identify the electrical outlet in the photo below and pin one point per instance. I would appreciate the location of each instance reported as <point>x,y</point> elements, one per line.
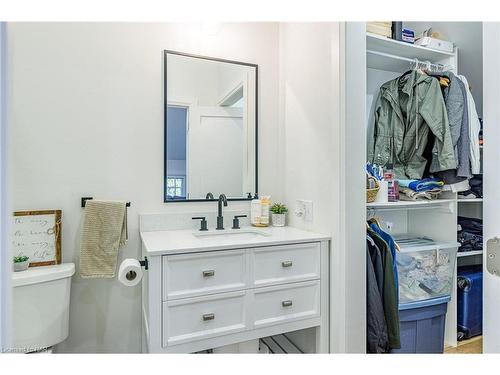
<point>304,209</point>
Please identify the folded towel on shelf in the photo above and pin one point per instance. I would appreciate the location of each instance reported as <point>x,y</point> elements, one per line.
<point>104,232</point>
<point>407,194</point>
<point>425,184</point>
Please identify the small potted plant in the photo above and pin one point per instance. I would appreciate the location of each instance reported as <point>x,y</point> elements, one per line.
<point>21,263</point>
<point>278,211</point>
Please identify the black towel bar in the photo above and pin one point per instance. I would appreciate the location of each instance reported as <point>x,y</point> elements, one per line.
<point>85,199</point>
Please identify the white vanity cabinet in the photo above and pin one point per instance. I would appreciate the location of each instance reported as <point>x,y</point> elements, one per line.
<point>209,293</point>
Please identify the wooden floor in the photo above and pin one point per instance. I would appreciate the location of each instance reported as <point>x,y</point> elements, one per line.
<point>471,346</point>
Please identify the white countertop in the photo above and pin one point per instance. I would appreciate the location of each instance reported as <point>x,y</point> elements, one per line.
<point>187,241</point>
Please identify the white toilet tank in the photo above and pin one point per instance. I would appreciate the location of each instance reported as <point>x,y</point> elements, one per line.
<point>41,306</point>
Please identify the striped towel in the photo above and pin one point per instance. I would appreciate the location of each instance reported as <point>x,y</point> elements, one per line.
<point>104,232</point>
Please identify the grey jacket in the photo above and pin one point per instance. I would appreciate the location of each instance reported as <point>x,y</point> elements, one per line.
<point>454,101</point>
<point>455,97</point>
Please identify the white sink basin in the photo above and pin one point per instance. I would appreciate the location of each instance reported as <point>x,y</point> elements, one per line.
<point>233,234</point>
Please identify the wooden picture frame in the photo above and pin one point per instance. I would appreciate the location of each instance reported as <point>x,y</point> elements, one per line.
<point>19,231</point>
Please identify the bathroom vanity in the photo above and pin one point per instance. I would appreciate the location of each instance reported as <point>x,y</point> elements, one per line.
<point>207,289</point>
<point>204,288</point>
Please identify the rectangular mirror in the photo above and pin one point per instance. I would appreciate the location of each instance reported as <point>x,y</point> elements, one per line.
<point>210,128</point>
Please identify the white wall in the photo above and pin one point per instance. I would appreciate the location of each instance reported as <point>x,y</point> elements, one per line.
<point>467,36</point>
<point>86,119</point>
<point>309,124</point>
<point>320,139</point>
<point>308,117</point>
<point>192,80</point>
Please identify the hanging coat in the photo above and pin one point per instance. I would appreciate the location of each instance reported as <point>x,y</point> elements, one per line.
<point>474,129</point>
<point>407,109</point>
<point>390,298</point>
<point>376,327</point>
<point>455,97</point>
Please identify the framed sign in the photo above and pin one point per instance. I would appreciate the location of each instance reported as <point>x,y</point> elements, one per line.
<point>37,235</point>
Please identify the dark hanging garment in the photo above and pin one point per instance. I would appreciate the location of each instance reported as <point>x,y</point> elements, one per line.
<point>390,293</point>
<point>376,328</point>
<point>392,246</point>
<point>376,258</point>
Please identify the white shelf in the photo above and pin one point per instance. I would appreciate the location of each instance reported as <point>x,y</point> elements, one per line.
<point>469,253</point>
<point>388,54</point>
<point>475,200</point>
<point>409,204</point>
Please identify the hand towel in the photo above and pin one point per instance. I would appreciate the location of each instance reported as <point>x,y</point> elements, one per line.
<point>104,232</point>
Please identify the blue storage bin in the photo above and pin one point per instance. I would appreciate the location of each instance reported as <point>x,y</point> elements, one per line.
<point>470,302</point>
<point>422,325</point>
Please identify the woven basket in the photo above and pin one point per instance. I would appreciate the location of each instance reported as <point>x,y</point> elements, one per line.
<point>371,194</point>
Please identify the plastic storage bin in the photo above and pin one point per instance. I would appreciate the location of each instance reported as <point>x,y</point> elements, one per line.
<point>425,268</point>
<point>425,273</point>
<point>470,302</point>
<point>422,326</point>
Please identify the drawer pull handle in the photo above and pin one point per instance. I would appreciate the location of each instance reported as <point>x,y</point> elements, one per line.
<point>287,303</point>
<point>207,317</point>
<point>286,263</point>
<point>208,273</point>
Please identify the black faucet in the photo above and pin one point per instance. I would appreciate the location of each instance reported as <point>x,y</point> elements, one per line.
<point>220,218</point>
<point>209,196</point>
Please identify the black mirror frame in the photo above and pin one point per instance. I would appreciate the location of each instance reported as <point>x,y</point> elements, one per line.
<point>165,105</point>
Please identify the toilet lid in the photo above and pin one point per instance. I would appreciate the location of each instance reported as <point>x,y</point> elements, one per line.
<point>42,274</point>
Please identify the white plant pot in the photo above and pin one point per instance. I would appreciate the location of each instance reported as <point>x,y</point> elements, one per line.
<point>21,266</point>
<point>278,220</point>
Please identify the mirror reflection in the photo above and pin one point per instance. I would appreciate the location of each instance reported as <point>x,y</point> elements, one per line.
<point>210,128</point>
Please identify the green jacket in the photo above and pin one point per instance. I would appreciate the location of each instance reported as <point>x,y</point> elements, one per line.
<point>406,110</point>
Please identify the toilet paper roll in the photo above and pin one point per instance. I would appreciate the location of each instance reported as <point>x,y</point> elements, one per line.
<point>130,272</point>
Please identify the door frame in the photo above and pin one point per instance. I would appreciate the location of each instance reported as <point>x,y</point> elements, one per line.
<point>491,159</point>
<point>5,259</point>
<point>353,127</point>
<point>348,259</point>
<point>189,105</point>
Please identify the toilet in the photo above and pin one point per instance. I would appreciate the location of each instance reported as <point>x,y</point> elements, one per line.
<point>40,312</point>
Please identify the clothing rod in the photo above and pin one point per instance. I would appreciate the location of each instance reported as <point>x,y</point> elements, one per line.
<point>396,57</point>
<point>379,210</point>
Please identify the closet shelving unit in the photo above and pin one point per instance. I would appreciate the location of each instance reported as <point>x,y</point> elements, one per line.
<point>470,253</point>
<point>391,55</point>
<point>410,204</point>
<point>387,59</point>
<point>474,200</point>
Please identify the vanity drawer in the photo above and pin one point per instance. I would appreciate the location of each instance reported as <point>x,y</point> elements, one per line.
<point>199,318</point>
<point>283,264</point>
<point>284,303</point>
<point>189,275</point>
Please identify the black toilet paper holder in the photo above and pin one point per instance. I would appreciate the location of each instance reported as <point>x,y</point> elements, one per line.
<point>144,263</point>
